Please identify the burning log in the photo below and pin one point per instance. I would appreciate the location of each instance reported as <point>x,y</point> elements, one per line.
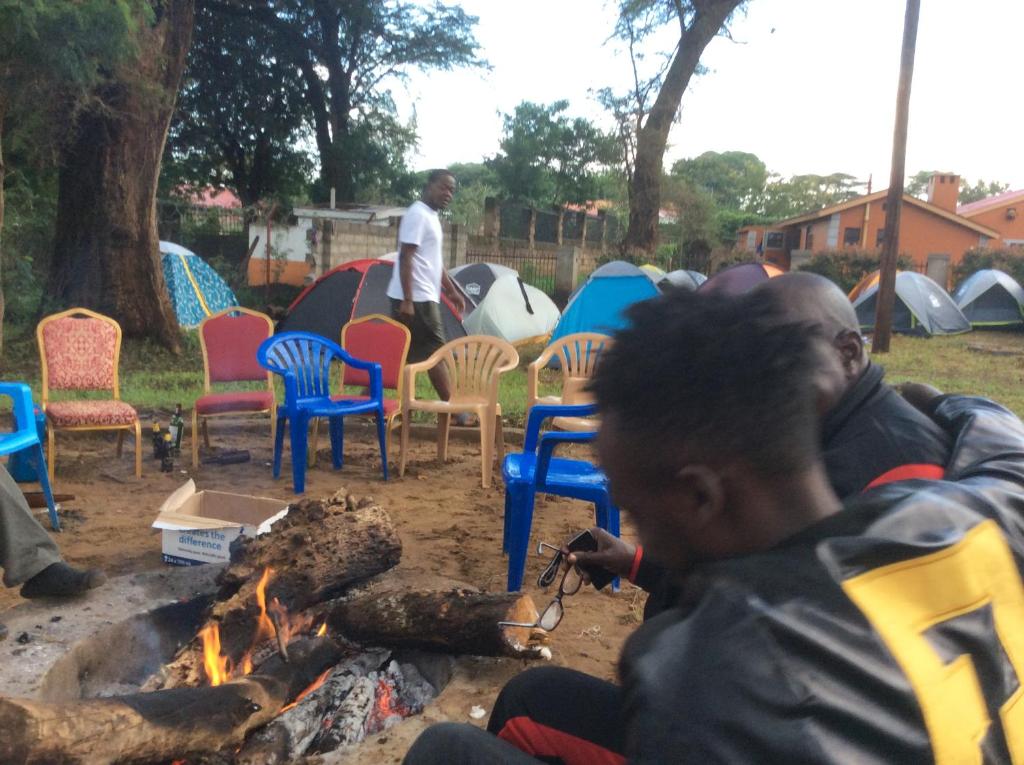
<point>159,726</point>
<point>315,552</point>
<point>453,621</point>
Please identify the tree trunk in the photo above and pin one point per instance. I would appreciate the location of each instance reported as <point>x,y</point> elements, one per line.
<point>160,726</point>
<point>3,173</point>
<point>645,186</point>
<point>453,621</point>
<point>315,552</point>
<point>106,254</point>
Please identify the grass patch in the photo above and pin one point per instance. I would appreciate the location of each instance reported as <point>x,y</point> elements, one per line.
<point>984,363</point>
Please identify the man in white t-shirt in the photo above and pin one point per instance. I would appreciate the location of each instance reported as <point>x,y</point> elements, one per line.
<point>419,277</point>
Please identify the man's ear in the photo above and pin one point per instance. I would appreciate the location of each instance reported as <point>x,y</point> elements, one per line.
<point>851,350</point>
<point>703,486</point>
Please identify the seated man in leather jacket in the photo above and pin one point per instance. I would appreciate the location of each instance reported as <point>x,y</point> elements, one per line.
<point>892,631</point>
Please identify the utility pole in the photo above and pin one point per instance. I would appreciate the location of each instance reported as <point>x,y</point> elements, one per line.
<point>894,201</point>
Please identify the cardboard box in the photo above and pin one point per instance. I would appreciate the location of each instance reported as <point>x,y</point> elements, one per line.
<point>199,527</point>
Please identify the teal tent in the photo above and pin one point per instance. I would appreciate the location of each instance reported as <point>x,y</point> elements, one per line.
<point>599,305</point>
<point>195,289</point>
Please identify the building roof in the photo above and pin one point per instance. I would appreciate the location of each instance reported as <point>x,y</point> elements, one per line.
<point>1007,197</point>
<point>880,195</point>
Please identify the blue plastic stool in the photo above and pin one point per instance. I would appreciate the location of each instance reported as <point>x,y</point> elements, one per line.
<point>20,465</point>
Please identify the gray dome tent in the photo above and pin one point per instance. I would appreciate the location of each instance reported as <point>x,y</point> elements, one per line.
<point>922,308</point>
<point>991,298</point>
<point>501,305</point>
<point>684,278</point>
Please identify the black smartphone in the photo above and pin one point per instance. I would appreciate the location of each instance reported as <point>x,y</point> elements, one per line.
<point>585,542</point>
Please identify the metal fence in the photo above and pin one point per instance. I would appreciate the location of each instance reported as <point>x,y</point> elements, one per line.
<point>536,268</point>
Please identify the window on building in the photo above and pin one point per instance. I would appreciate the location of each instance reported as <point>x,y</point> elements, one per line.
<point>851,236</point>
<point>774,240</point>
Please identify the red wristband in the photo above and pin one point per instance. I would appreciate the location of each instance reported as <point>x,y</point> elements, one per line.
<point>636,564</point>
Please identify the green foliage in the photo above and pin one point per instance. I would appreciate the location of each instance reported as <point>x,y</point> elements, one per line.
<point>342,58</point>
<point>1010,260</point>
<point>735,180</point>
<point>240,119</point>
<point>849,266</point>
<point>29,216</point>
<point>548,158</point>
<point>805,193</point>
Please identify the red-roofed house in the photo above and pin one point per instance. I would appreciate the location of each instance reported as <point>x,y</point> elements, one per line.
<point>932,234</point>
<point>1002,212</point>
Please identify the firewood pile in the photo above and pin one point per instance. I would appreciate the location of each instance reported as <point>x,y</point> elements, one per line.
<point>293,659</point>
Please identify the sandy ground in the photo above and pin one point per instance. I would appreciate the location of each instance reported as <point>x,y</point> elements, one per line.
<point>450,528</point>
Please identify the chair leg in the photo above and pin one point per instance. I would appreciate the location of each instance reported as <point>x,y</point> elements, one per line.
<point>403,445</point>
<point>273,427</point>
<point>519,536</point>
<point>486,449</point>
<point>383,433</point>
<point>138,449</point>
<point>44,481</point>
<point>315,441</point>
<point>336,428</point>
<point>608,519</point>
<point>278,446</point>
<point>195,438</point>
<point>206,433</point>
<point>120,443</point>
<point>51,451</point>
<point>298,426</point>
<point>444,423</point>
<point>499,439</point>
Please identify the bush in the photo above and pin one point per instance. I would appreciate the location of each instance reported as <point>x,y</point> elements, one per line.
<point>1010,260</point>
<point>849,266</point>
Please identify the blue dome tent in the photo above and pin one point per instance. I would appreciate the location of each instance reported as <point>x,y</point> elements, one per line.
<point>991,298</point>
<point>195,289</point>
<point>599,304</point>
<point>922,307</point>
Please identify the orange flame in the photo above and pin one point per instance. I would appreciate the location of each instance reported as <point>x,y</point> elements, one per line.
<point>264,627</point>
<point>312,687</point>
<point>217,666</point>
<point>322,631</point>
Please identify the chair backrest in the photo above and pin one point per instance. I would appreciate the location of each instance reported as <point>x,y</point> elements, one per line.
<point>578,355</point>
<point>376,338</point>
<point>304,361</point>
<point>79,349</point>
<point>229,340</point>
<point>475,361</point>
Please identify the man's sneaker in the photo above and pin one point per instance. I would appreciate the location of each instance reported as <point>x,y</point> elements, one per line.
<point>60,580</point>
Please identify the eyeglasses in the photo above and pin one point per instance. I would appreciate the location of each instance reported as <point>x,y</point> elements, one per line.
<point>571,582</point>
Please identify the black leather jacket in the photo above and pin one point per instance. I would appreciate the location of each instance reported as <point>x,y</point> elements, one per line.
<point>838,644</point>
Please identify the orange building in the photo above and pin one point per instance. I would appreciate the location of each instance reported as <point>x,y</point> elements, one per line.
<point>1002,212</point>
<point>932,234</point>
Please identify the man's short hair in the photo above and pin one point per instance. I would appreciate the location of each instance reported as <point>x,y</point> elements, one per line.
<point>435,175</point>
<point>722,376</point>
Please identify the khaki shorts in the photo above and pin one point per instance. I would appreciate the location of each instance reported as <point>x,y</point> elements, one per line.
<point>427,328</point>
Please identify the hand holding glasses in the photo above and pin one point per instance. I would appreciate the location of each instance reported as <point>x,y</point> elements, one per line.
<point>571,582</point>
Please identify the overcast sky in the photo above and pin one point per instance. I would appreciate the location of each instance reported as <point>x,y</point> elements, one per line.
<point>809,86</point>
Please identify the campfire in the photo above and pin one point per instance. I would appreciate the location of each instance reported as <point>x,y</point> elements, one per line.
<point>306,648</point>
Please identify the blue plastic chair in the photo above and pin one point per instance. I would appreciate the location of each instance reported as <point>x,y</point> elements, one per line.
<point>304,361</point>
<point>536,470</point>
<point>25,436</point>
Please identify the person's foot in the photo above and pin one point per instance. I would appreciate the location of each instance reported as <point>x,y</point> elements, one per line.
<point>59,580</point>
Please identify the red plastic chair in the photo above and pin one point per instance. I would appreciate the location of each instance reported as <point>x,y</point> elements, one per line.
<point>229,340</point>
<point>383,340</point>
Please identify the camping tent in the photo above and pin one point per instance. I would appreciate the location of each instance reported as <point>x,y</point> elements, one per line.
<point>195,289</point>
<point>741,278</point>
<point>654,273</point>
<point>502,305</point>
<point>690,280</point>
<point>347,292</point>
<point>599,303</point>
<point>922,307</point>
<point>991,298</point>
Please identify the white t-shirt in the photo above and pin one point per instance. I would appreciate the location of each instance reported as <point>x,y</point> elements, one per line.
<point>420,226</point>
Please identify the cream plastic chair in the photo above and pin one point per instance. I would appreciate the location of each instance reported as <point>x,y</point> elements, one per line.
<point>474,364</point>
<point>578,355</point>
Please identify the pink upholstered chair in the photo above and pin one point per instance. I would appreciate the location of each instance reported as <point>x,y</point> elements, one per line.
<point>229,340</point>
<point>80,350</point>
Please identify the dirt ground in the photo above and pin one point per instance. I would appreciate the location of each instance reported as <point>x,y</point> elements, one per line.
<point>450,528</point>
